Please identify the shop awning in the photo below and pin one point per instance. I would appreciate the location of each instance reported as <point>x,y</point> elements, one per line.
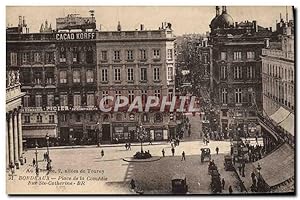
<point>280,115</point>
<point>278,166</point>
<point>288,124</point>
<point>39,133</point>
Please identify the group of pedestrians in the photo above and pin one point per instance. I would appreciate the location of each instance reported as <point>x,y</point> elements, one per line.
<point>128,146</point>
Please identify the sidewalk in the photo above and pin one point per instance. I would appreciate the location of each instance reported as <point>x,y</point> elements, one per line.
<point>101,145</point>
<point>247,181</point>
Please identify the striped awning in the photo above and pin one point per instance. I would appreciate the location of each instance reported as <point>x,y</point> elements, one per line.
<point>288,124</point>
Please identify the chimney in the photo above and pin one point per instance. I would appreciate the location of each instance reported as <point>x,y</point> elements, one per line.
<point>20,21</point>
<point>217,10</point>
<point>224,9</point>
<point>255,25</point>
<point>142,27</point>
<point>119,26</point>
<point>24,24</point>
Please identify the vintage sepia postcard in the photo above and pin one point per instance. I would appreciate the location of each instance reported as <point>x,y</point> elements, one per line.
<point>153,100</point>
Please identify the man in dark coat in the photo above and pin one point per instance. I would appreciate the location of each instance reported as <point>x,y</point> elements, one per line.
<point>173,151</point>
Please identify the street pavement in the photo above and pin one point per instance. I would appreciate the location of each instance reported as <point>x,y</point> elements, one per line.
<point>196,126</point>
<point>110,174</point>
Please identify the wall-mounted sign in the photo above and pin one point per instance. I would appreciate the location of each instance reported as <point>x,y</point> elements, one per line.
<point>76,36</point>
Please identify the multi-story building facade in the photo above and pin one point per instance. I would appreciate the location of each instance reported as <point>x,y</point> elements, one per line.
<point>278,67</point>
<point>76,86</point>
<point>236,71</point>
<point>135,63</point>
<point>33,54</point>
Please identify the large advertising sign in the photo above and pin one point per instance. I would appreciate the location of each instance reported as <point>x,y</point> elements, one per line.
<point>74,21</point>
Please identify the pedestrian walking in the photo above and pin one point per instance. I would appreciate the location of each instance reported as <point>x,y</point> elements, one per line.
<point>163,152</point>
<point>223,183</point>
<point>217,150</point>
<point>132,184</point>
<point>126,146</point>
<point>102,153</point>
<point>150,141</point>
<point>230,189</point>
<point>183,156</point>
<point>33,162</point>
<point>129,146</point>
<point>173,151</point>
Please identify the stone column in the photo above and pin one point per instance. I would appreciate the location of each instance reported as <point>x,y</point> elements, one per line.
<point>11,139</point>
<point>20,135</point>
<point>16,143</point>
<point>7,142</point>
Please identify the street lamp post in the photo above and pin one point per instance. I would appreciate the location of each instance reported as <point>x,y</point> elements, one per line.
<point>141,136</point>
<point>36,159</point>
<point>259,181</point>
<point>97,130</point>
<point>48,154</point>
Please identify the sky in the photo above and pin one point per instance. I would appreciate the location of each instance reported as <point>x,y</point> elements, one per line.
<point>184,19</point>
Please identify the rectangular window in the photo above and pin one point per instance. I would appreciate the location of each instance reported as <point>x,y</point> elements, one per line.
<point>250,55</point>
<point>104,74</point>
<point>144,96</point>
<point>205,58</point>
<point>50,100</point>
<point>156,54</point>
<point>117,74</point>
<point>78,117</point>
<point>223,72</point>
<point>27,119</point>
<point>223,55</point>
<point>62,57</point>
<point>37,57</point>
<point>250,72</point>
<point>130,74</point>
<point>77,100</point>
<point>26,101</point>
<point>25,58</point>
<point>130,55</point>
<point>89,55</point>
<point>116,55</point>
<point>14,59</point>
<point>63,118</point>
<point>38,78</point>
<point>237,74</point>
<point>143,74</point>
<point>76,76</point>
<point>49,56</point>
<point>143,55</point>
<point>38,101</point>
<point>89,76</point>
<point>104,55</point>
<point>104,95</point>
<point>156,74</point>
<point>170,54</point>
<point>39,118</point>
<point>130,96</point>
<point>118,93</point>
<point>224,96</point>
<point>75,57</point>
<point>90,99</point>
<point>63,100</point>
<point>51,118</point>
<point>237,55</point>
<point>238,95</point>
<point>63,76</point>
<point>157,93</point>
<point>170,73</point>
<point>170,94</point>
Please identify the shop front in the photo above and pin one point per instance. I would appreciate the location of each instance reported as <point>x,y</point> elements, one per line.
<point>124,132</point>
<point>37,135</point>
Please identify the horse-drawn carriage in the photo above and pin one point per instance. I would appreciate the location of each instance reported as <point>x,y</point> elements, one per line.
<point>205,154</point>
